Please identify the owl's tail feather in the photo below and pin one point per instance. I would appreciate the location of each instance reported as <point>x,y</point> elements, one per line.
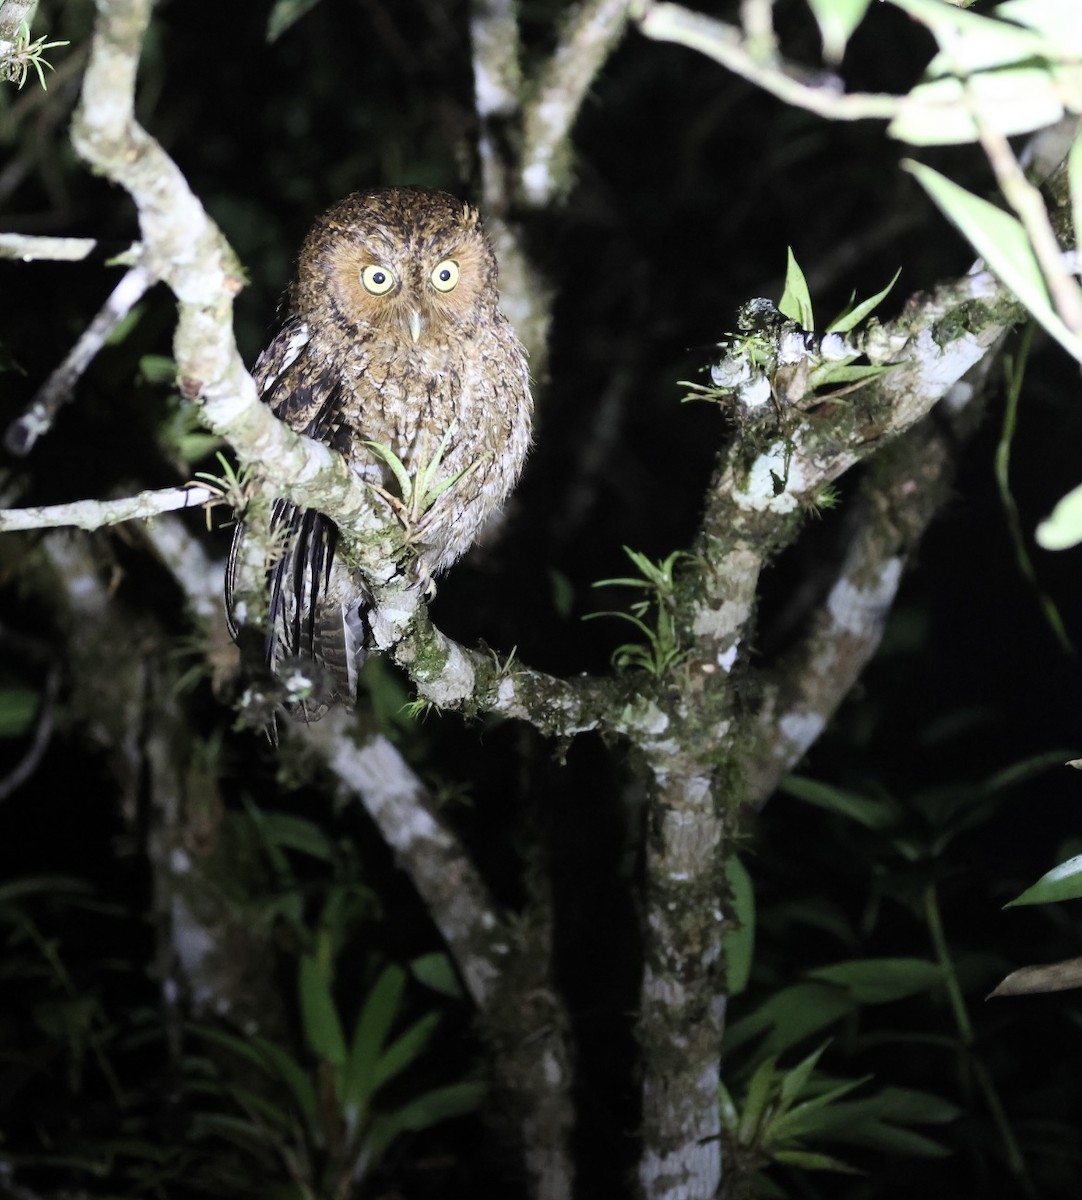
<point>341,631</point>
<point>313,641</point>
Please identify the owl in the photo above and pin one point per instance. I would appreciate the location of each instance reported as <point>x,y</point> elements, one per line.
<point>394,352</point>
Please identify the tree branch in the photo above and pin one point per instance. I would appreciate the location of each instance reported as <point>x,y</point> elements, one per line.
<point>590,32</point>
<point>28,248</point>
<point>726,44</point>
<point>94,514</point>
<point>57,390</point>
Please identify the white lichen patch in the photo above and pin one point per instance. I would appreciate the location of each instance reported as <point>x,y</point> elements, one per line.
<point>537,181</point>
<point>801,729</point>
<point>855,609</point>
<point>727,658</point>
<point>780,462</point>
<point>941,366</point>
<point>720,622</point>
<point>645,716</point>
<point>756,393</point>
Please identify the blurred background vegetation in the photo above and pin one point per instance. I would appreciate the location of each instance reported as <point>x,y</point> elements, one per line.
<point>942,795</point>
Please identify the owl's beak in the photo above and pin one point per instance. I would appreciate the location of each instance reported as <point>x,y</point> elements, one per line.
<point>416,324</point>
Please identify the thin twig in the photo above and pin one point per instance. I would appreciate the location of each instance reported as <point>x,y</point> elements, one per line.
<point>1028,204</point>
<point>39,743</point>
<point>29,248</point>
<point>94,514</point>
<point>725,44</point>
<point>57,390</point>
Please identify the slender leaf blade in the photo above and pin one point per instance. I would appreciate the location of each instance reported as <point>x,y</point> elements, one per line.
<point>319,1016</point>
<point>1063,882</point>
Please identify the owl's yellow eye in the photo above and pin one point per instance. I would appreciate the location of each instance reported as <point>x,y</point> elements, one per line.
<point>445,276</point>
<point>378,280</point>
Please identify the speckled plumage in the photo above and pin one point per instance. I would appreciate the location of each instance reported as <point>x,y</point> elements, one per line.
<point>394,336</point>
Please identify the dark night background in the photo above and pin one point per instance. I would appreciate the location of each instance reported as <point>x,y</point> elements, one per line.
<point>689,186</point>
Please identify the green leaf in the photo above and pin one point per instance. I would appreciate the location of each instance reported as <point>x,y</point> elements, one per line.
<point>405,483</point>
<point>851,317</point>
<point>18,707</point>
<point>796,1078</point>
<point>297,1078</point>
<point>35,885</point>
<point>404,1049</point>
<point>739,942</point>
<point>286,13</point>
<point>158,368</point>
<point>429,469</point>
<point>971,42</point>
<point>1057,22</point>
<point>441,1104</point>
<point>756,1099</point>
<point>319,1016</point>
<point>1001,241</point>
<point>806,1120</point>
<point>272,1059</point>
<point>1010,101</point>
<point>1063,529</point>
<point>795,302</point>
<point>811,1160</point>
<point>873,812</point>
<point>297,833</point>
<point>369,1034</point>
<point>881,980</point>
<point>1061,883</point>
<point>435,971</point>
<point>837,19</point>
<point>788,1017</point>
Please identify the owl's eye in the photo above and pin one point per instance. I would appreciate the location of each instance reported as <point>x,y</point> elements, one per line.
<point>445,276</point>
<point>378,280</point>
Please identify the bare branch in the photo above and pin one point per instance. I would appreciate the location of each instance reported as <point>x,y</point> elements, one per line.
<point>28,248</point>
<point>725,44</point>
<point>57,390</point>
<point>94,514</point>
<point>589,36</point>
<point>39,743</point>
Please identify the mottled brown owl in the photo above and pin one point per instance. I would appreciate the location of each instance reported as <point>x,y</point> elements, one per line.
<point>393,337</point>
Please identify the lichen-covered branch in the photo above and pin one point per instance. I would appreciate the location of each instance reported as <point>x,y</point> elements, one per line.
<point>28,247</point>
<point>96,514</point>
<point>907,485</point>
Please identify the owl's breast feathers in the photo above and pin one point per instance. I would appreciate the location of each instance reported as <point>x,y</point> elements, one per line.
<point>457,396</point>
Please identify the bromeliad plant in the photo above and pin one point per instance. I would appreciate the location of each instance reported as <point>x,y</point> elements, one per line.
<point>321,1116</point>
<point>654,615</point>
<point>325,1121</point>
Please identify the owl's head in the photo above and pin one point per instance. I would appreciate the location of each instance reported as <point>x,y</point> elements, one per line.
<point>405,262</point>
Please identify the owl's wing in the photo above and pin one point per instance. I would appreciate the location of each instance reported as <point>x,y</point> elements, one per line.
<point>304,620</point>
